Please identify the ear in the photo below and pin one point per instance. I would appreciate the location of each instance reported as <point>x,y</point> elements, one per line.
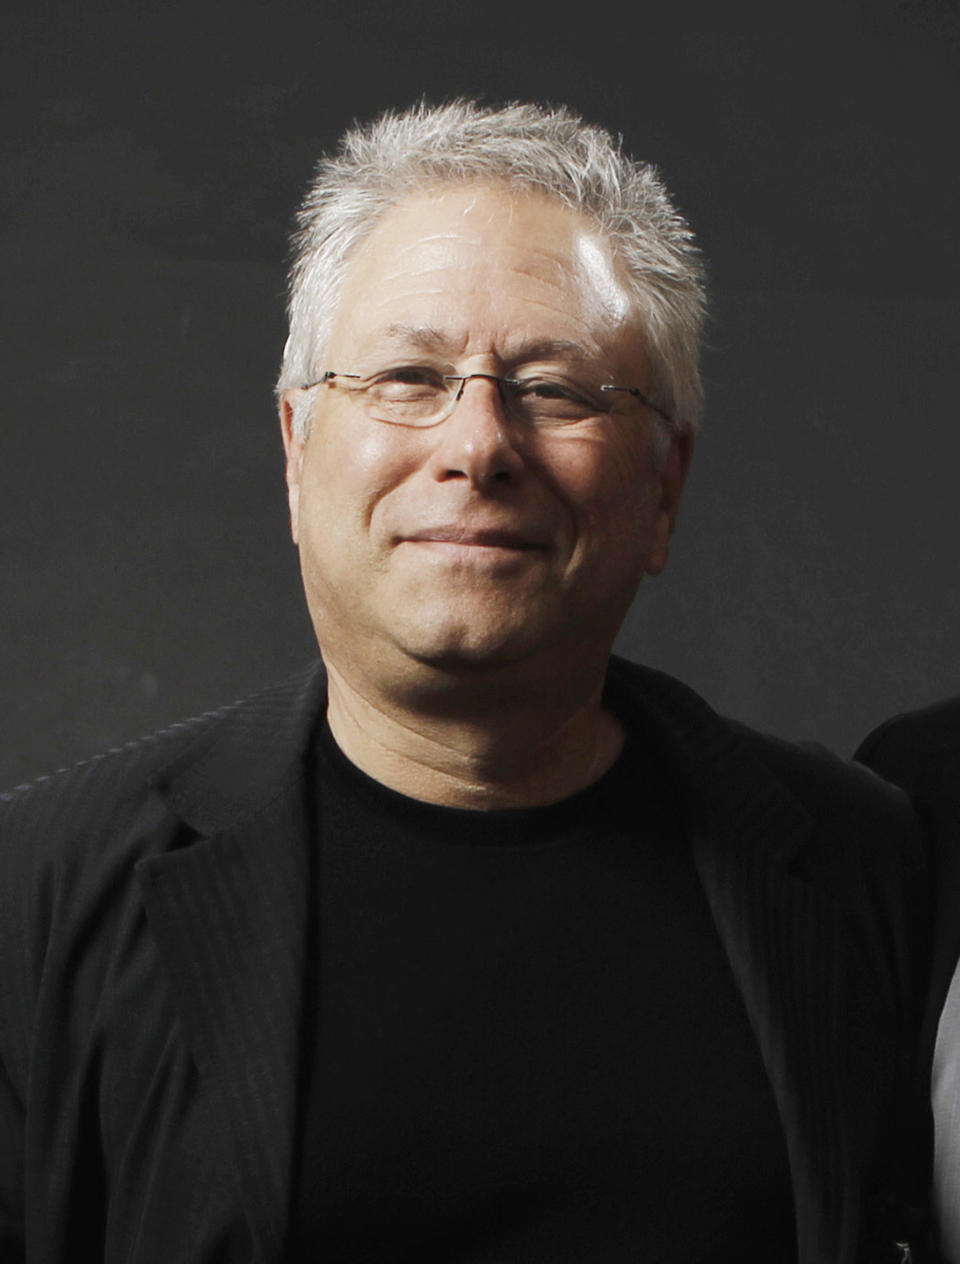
<point>673,475</point>
<point>294,446</point>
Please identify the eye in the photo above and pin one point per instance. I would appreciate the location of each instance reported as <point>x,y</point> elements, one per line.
<point>405,384</point>
<point>566,397</point>
<point>550,401</point>
<point>409,375</point>
<point>539,388</point>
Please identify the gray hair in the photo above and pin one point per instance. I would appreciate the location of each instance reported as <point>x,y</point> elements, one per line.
<point>526,148</point>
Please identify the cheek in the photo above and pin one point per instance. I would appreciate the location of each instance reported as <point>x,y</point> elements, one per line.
<point>348,471</point>
<point>611,486</point>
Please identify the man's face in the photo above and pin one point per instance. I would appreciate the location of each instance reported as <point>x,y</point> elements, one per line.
<point>480,540</point>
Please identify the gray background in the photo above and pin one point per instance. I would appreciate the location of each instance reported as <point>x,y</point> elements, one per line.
<point>151,160</point>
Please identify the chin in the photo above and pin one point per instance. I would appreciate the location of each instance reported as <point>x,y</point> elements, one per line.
<point>473,649</point>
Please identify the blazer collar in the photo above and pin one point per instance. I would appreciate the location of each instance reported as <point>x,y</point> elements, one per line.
<point>242,755</point>
<point>229,913</point>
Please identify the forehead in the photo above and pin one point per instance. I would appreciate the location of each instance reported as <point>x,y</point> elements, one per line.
<point>483,269</point>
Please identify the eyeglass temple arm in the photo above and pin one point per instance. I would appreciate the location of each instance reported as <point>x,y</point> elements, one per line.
<point>326,377</point>
<point>644,399</point>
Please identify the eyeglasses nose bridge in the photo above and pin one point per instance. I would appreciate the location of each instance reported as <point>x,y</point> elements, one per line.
<point>468,377</point>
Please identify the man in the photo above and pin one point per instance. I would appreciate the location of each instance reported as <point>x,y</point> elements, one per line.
<point>921,753</point>
<point>473,944</point>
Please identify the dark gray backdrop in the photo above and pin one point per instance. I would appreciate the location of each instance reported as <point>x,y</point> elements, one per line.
<point>151,158</point>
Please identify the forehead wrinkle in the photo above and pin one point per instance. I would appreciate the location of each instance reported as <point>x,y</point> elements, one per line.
<point>590,336</point>
<point>427,338</point>
<point>575,282</point>
<point>534,260</point>
<point>547,348</point>
<point>439,238</point>
<point>423,337</point>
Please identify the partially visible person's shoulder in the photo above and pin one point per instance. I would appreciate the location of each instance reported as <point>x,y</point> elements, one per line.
<point>940,720</point>
<point>820,777</point>
<point>915,743</point>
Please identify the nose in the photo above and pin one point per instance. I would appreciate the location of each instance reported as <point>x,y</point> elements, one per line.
<point>476,441</point>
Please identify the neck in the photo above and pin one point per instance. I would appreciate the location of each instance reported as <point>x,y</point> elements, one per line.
<point>483,748</point>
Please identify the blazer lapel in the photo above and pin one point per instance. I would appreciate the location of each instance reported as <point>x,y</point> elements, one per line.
<point>784,939</point>
<point>229,915</point>
<point>784,943</point>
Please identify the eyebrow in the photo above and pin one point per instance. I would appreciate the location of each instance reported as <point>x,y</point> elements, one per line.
<point>425,338</point>
<point>420,336</point>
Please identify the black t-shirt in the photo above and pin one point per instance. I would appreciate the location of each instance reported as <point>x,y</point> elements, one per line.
<point>524,1043</point>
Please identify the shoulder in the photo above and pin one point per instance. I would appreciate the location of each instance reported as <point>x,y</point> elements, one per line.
<point>240,743</point>
<point>96,796</point>
<point>915,745</point>
<point>69,838</point>
<point>768,784</point>
<point>71,843</point>
<point>77,809</point>
<point>814,775</point>
<point>864,826</point>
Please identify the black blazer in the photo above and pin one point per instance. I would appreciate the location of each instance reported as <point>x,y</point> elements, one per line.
<point>153,911</point>
<point>921,752</point>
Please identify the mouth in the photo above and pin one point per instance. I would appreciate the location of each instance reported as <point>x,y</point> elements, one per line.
<point>475,538</point>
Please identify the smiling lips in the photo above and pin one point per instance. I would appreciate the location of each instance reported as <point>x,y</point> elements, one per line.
<point>474,537</point>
